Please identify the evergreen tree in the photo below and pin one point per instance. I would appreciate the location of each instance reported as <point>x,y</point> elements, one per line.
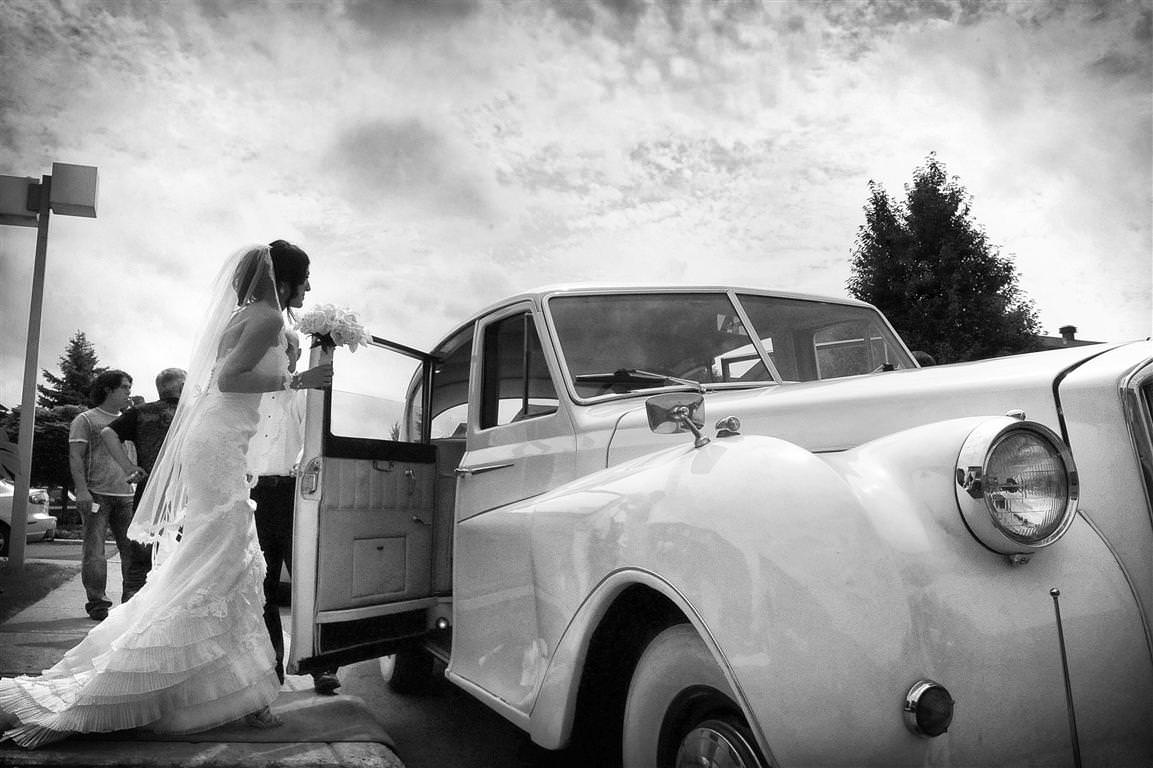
<point>933,272</point>
<point>78,368</point>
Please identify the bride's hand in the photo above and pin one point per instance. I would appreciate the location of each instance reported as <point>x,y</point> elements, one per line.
<point>319,377</point>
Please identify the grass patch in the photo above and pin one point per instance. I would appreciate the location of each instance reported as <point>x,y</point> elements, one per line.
<point>18,591</point>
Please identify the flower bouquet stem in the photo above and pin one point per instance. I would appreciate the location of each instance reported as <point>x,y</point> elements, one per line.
<point>320,354</point>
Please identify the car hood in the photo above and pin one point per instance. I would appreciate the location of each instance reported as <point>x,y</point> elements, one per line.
<point>839,414</point>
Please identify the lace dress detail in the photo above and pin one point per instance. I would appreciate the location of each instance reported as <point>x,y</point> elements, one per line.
<point>190,650</point>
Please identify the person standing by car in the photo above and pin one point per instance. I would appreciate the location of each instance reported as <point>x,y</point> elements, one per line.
<point>273,454</point>
<point>145,426</point>
<point>103,494</point>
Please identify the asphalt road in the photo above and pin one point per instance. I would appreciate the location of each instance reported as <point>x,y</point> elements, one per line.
<point>443,726</point>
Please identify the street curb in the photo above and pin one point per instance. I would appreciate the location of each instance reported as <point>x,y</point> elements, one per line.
<point>80,753</point>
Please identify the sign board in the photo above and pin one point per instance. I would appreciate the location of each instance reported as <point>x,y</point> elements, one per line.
<point>73,190</point>
<point>14,201</point>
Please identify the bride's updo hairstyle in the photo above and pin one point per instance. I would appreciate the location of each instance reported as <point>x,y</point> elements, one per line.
<point>251,280</point>
<point>289,265</point>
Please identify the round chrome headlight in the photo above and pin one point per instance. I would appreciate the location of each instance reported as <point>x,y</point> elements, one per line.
<point>1016,485</point>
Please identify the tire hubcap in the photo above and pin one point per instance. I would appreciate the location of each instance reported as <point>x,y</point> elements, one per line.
<point>716,744</point>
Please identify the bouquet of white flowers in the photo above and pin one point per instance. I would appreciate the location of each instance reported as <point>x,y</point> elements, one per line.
<point>331,326</point>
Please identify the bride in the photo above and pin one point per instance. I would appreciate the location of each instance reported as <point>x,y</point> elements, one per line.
<point>190,651</point>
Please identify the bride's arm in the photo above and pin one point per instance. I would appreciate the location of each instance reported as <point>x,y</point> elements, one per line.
<point>238,368</point>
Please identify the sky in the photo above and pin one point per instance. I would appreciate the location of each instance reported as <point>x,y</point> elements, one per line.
<point>435,156</point>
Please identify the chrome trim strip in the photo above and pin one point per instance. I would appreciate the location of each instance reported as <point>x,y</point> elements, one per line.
<point>1128,580</point>
<point>1057,392</point>
<point>754,336</point>
<point>506,710</point>
<point>368,611</point>
<point>1139,421</point>
<point>480,469</point>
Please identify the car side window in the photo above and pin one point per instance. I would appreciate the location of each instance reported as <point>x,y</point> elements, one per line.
<point>515,383</point>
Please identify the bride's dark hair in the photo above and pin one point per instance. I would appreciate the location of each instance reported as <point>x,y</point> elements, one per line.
<point>289,262</point>
<point>289,265</point>
<point>251,280</point>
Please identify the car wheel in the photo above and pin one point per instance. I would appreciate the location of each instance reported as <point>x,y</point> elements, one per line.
<point>681,712</point>
<point>4,530</point>
<point>409,671</point>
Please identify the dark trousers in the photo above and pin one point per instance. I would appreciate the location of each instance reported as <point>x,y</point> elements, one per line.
<point>139,560</point>
<point>274,497</point>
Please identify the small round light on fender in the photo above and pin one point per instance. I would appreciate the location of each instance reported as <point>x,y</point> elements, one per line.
<point>928,708</point>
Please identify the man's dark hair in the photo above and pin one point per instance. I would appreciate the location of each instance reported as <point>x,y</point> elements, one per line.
<point>105,383</point>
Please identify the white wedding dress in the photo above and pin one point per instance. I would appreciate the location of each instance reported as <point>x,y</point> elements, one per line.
<point>190,650</point>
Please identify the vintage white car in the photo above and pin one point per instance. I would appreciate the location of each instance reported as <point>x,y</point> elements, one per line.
<point>39,525</point>
<point>726,527</point>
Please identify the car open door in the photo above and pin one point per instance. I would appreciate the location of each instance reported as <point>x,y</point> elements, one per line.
<point>364,538</point>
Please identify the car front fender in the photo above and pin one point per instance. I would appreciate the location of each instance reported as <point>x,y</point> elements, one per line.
<point>827,584</point>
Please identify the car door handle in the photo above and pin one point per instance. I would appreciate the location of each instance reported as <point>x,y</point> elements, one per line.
<point>482,468</point>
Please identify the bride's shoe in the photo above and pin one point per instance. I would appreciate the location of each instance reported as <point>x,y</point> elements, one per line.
<point>262,718</point>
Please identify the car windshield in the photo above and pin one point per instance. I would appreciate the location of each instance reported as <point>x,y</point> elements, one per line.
<point>619,343</point>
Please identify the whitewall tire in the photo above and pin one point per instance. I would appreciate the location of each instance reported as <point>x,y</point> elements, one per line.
<point>681,711</point>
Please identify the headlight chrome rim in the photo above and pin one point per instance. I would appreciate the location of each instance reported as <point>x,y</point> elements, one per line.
<point>977,509</point>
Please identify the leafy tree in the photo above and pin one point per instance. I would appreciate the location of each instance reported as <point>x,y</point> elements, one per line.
<point>49,447</point>
<point>78,368</point>
<point>931,269</point>
<point>9,454</point>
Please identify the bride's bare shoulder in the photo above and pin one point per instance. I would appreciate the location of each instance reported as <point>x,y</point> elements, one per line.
<point>253,321</point>
<point>257,315</point>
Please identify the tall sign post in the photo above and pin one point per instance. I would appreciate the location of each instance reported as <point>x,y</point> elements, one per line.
<point>69,191</point>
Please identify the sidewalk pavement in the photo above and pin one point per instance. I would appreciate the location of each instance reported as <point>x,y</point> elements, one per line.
<point>322,731</point>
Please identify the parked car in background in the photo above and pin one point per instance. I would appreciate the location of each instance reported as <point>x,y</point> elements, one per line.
<point>725,527</point>
<point>41,526</point>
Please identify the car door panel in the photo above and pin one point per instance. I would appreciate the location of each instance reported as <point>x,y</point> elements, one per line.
<point>375,532</point>
<point>365,523</point>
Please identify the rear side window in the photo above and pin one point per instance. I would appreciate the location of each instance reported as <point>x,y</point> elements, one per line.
<point>516,384</point>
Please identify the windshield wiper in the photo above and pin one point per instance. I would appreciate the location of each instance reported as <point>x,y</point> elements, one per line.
<point>636,375</point>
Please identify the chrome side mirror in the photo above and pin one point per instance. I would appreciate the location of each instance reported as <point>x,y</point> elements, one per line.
<point>677,412</point>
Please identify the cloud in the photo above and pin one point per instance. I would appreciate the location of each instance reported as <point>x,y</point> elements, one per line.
<point>431,156</point>
<point>407,160</point>
<point>402,18</point>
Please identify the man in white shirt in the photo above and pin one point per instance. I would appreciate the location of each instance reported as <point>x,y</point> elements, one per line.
<point>273,454</point>
<point>103,495</point>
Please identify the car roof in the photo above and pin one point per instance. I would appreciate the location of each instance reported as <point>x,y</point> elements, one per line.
<point>546,291</point>
<point>542,293</point>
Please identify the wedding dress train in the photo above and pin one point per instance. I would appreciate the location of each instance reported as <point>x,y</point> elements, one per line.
<point>190,650</point>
